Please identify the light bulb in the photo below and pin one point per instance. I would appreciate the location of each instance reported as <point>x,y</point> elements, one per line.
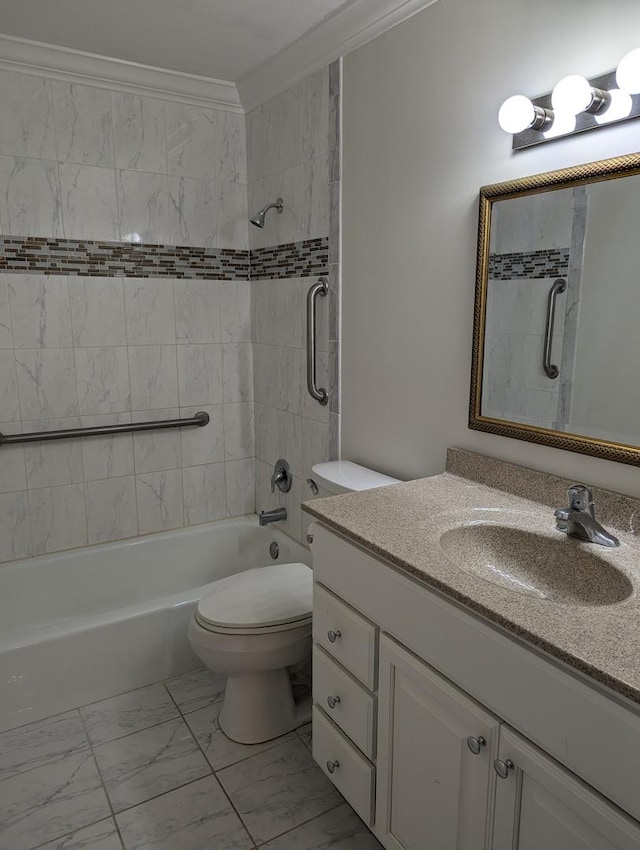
<point>516,114</point>
<point>573,94</point>
<point>619,107</point>
<point>562,124</point>
<point>628,73</point>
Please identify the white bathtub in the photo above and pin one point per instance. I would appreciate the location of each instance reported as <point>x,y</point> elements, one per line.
<point>84,625</point>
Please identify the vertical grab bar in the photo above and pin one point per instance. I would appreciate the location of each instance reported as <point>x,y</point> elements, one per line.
<point>319,288</point>
<point>557,287</point>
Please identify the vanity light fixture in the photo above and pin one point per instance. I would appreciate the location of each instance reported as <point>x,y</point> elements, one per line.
<point>575,104</point>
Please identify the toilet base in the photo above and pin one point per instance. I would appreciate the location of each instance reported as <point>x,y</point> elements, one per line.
<point>258,707</point>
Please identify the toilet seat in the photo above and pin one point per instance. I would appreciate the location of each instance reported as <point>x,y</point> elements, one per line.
<point>261,600</point>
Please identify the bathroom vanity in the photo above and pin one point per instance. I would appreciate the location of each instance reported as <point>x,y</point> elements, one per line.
<point>455,710</point>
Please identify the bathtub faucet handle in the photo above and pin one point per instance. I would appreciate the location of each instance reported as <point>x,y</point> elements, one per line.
<point>281,478</point>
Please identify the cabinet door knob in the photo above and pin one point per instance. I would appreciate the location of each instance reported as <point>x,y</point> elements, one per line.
<point>333,636</point>
<point>333,701</point>
<point>502,768</point>
<point>332,765</point>
<point>476,744</point>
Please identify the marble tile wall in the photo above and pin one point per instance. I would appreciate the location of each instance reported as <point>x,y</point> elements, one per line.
<point>78,351</point>
<point>87,163</point>
<point>293,151</point>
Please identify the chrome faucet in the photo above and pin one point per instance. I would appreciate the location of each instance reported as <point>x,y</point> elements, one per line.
<point>579,519</point>
<point>275,515</point>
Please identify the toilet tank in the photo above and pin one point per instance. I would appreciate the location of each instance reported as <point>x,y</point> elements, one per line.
<point>343,476</point>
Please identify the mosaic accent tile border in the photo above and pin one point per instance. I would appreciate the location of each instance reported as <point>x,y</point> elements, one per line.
<point>294,259</point>
<point>532,264</point>
<point>33,255</point>
<point>36,255</point>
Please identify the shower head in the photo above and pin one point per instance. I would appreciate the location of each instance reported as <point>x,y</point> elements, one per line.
<point>258,218</point>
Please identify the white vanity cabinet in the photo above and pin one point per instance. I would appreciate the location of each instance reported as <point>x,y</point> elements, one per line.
<point>436,762</point>
<point>435,752</point>
<point>541,806</point>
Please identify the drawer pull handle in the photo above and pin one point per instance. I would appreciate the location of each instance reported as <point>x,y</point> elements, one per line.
<point>331,765</point>
<point>333,701</point>
<point>502,768</point>
<point>476,744</point>
<point>333,636</point>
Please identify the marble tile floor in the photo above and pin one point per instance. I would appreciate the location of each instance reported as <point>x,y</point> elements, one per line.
<point>151,770</point>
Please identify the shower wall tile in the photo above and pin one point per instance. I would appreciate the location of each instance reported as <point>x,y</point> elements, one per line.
<point>203,445</point>
<point>154,451</point>
<point>15,527</point>
<point>111,478</point>
<point>239,439</point>
<point>53,464</point>
<point>111,509</point>
<point>6,335</point>
<point>233,215</point>
<point>139,133</point>
<point>235,311</point>
<point>237,369</point>
<point>160,501</point>
<point>204,489</point>
<point>97,311</point>
<point>198,313</point>
<point>200,374</point>
<point>240,486</point>
<point>30,197</point>
<point>193,213</point>
<point>106,457</point>
<point>149,306</point>
<point>89,207</point>
<point>58,518</point>
<point>12,469</point>
<point>40,313</point>
<point>143,206</point>
<point>189,140</point>
<point>83,124</point>
<point>103,380</point>
<point>46,383</point>
<point>154,381</point>
<point>29,102</point>
<point>9,403</point>
<point>230,147</point>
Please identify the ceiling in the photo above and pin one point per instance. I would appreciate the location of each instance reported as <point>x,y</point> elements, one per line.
<point>221,39</point>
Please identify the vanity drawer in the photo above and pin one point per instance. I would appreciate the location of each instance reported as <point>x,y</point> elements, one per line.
<point>345,634</point>
<point>353,775</point>
<point>354,708</point>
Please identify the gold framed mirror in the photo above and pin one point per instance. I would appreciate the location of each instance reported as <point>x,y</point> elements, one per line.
<point>556,332</point>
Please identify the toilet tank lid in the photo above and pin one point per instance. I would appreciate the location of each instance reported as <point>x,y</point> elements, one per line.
<point>344,476</point>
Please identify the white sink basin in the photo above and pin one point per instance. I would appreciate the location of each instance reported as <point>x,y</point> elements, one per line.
<point>534,563</point>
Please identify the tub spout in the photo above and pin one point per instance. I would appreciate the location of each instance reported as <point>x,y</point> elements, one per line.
<point>274,515</point>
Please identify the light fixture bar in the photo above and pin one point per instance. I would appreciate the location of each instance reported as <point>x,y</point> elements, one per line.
<point>584,120</point>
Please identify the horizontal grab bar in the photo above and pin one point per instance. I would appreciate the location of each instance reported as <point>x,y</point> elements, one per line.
<point>200,419</point>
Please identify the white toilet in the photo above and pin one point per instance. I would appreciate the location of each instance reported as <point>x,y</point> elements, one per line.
<point>254,625</point>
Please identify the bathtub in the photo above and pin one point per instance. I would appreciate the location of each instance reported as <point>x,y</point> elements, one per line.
<point>87,624</point>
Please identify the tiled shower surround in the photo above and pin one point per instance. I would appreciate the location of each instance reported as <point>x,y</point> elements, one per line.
<point>95,329</point>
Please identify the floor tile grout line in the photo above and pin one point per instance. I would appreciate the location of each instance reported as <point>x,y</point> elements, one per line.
<point>304,823</point>
<point>49,840</point>
<point>135,731</point>
<point>221,786</point>
<point>102,782</point>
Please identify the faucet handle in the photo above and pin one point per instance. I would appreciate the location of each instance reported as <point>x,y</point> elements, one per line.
<point>581,498</point>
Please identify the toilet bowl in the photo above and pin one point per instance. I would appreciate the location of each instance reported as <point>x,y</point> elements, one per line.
<point>253,626</point>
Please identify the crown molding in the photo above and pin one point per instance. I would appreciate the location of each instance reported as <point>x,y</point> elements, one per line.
<point>75,66</point>
<point>356,24</point>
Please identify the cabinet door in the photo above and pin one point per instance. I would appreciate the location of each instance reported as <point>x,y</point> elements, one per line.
<point>433,792</point>
<point>541,806</point>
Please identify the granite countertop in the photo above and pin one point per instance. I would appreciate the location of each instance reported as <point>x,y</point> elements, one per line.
<point>403,524</point>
